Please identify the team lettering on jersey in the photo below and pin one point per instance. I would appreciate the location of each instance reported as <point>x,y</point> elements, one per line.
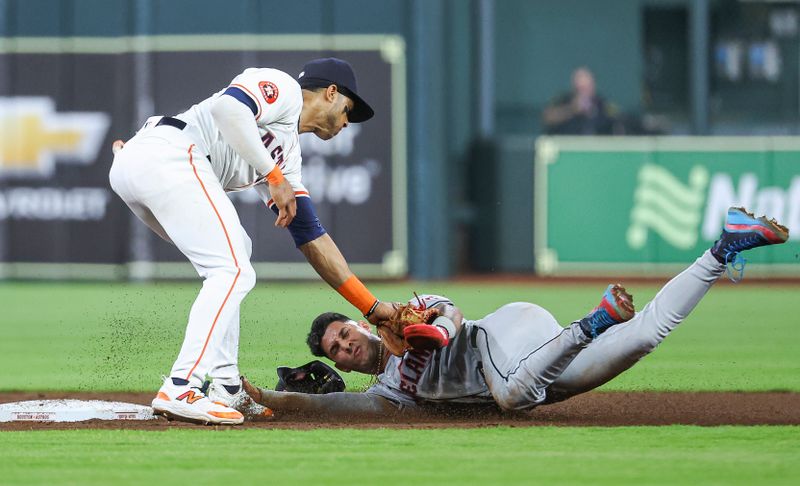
<point>411,368</point>
<point>276,152</point>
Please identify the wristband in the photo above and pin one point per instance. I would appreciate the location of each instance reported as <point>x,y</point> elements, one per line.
<point>446,324</point>
<point>372,309</point>
<point>275,176</point>
<point>357,294</point>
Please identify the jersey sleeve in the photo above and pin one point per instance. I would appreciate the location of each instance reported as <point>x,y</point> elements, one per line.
<point>305,226</point>
<point>399,400</point>
<point>271,95</point>
<point>329,405</point>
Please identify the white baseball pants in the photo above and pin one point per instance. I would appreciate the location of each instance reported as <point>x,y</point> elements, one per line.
<point>170,185</point>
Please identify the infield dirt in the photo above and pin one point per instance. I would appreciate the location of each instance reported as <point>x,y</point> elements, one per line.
<point>590,409</point>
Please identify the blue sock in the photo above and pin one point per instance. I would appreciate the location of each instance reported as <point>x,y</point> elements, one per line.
<point>179,381</point>
<point>232,389</point>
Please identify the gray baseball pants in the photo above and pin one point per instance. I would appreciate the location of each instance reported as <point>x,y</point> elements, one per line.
<point>528,359</point>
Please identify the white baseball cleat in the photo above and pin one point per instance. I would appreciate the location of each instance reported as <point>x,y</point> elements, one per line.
<point>189,404</point>
<point>240,401</point>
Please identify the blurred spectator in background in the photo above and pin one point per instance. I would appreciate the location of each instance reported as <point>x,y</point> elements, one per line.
<point>582,111</point>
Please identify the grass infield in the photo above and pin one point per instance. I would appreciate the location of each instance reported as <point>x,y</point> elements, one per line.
<point>124,337</point>
<point>538,455</point>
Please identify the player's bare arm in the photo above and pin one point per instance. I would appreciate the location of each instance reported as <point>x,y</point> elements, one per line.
<point>325,257</point>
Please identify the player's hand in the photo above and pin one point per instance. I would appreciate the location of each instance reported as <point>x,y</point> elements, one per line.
<point>252,391</point>
<point>117,146</point>
<point>383,312</point>
<point>283,196</point>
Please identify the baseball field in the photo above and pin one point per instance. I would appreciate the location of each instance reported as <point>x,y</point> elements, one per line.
<point>717,403</point>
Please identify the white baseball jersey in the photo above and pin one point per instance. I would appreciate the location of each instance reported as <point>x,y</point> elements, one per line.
<point>278,100</point>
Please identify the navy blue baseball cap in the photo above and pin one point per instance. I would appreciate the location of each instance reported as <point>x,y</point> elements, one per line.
<point>321,73</point>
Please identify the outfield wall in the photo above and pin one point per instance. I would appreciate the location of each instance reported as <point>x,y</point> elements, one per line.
<point>58,215</point>
<point>649,205</point>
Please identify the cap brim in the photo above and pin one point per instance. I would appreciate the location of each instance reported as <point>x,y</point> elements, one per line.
<point>361,111</point>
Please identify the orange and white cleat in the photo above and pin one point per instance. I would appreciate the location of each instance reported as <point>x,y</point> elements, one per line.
<point>178,401</point>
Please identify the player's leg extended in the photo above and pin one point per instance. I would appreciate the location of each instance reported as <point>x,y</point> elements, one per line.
<point>226,370</point>
<point>522,350</point>
<point>178,187</point>
<point>205,227</point>
<point>621,347</point>
<point>183,196</point>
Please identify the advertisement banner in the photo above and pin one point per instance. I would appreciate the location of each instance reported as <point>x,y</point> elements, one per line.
<point>653,205</point>
<point>64,101</point>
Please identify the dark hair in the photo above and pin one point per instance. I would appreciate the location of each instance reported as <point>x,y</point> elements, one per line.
<point>318,327</point>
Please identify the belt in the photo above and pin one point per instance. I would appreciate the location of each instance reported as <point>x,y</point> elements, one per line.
<point>172,122</point>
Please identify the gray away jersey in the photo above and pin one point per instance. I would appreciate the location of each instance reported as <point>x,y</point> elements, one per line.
<point>449,374</point>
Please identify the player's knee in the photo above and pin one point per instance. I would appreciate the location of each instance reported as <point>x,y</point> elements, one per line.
<point>241,277</point>
<point>647,341</point>
<point>247,278</point>
<point>516,397</point>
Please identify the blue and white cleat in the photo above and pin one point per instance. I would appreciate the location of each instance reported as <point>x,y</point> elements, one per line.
<point>615,308</point>
<point>743,231</point>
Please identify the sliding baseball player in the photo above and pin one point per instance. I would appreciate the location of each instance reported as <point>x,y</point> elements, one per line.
<point>518,356</point>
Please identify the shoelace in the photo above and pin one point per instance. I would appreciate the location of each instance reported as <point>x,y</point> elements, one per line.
<point>600,319</point>
<point>744,244</point>
<point>734,261</point>
<point>734,267</point>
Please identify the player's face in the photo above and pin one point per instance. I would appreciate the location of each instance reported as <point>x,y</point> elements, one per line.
<point>335,118</point>
<point>351,346</point>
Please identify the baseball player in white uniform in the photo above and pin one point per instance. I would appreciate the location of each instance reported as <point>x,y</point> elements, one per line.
<point>518,357</point>
<point>174,175</point>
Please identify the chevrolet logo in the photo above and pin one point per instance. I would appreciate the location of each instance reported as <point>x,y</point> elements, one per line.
<point>33,136</point>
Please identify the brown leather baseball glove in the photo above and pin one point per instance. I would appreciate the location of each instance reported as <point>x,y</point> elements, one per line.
<point>394,334</point>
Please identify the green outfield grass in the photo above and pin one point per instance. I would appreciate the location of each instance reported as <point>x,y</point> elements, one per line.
<point>124,337</point>
<point>495,456</point>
